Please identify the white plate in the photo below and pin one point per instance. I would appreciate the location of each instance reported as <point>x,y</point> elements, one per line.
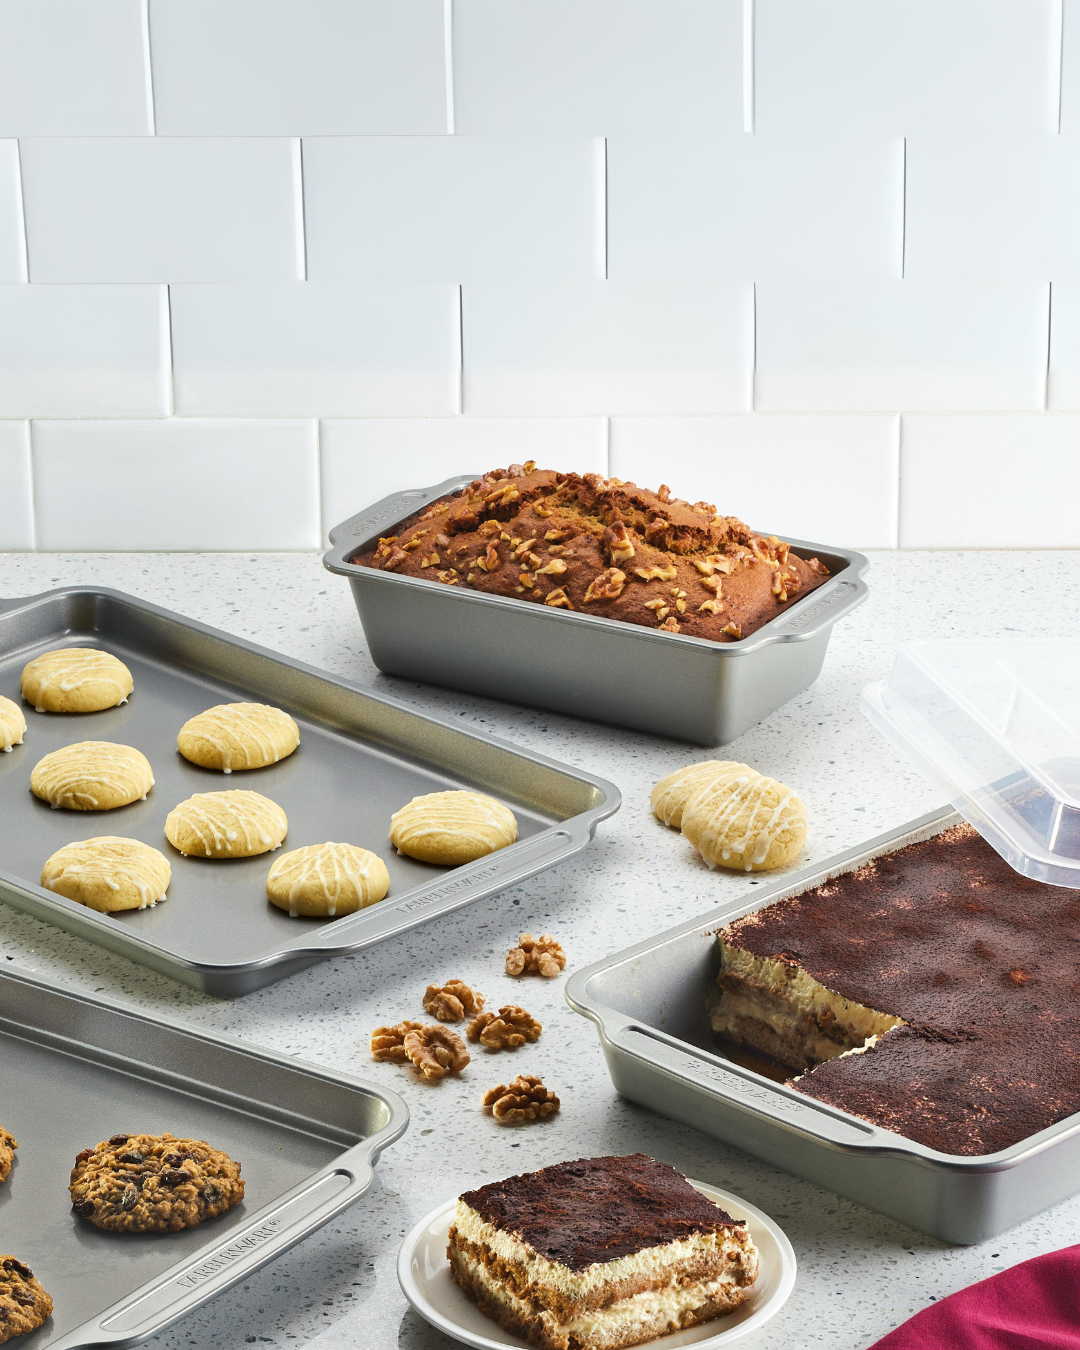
<point>424,1275</point>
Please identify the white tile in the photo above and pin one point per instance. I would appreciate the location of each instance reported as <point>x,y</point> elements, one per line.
<point>455,208</point>
<point>901,66</point>
<point>308,349</point>
<point>990,482</point>
<point>900,345</point>
<point>1070,66</point>
<point>1063,378</point>
<point>832,480</point>
<point>176,484</point>
<point>987,207</point>
<point>73,68</point>
<point>161,209</point>
<point>16,490</point>
<point>12,243</point>
<point>298,67</point>
<point>364,461</point>
<point>597,67</point>
<point>754,206</point>
<point>84,351</point>
<point>608,347</point>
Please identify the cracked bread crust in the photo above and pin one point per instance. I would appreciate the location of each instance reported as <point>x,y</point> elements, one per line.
<point>153,1183</point>
<point>603,547</point>
<point>24,1304</point>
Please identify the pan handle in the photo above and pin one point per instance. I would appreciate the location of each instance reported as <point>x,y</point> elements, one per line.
<point>370,523</point>
<point>820,609</point>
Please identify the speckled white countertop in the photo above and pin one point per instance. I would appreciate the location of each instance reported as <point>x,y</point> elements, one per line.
<point>859,1274</point>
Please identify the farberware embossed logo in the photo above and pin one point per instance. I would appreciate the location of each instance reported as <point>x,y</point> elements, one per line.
<point>451,888</point>
<point>811,615</point>
<point>224,1258</point>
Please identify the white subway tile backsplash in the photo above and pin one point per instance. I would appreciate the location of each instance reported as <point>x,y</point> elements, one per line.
<point>607,347</point>
<point>176,484</point>
<point>12,243</point>
<point>906,66</point>
<point>755,206</point>
<point>308,349</point>
<point>597,67</point>
<point>83,351</point>
<point>832,480</point>
<point>17,513</point>
<point>454,208</point>
<point>161,209</point>
<point>1070,66</point>
<point>1063,378</point>
<point>298,67</point>
<point>989,207</point>
<point>73,68</point>
<point>990,482</point>
<point>900,345</point>
<point>363,461</point>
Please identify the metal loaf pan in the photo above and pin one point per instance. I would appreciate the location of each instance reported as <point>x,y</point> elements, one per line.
<point>78,1069</point>
<point>362,756</point>
<point>669,684</point>
<point>648,1003</point>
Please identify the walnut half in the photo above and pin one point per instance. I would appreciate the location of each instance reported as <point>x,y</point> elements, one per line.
<point>388,1043</point>
<point>536,956</point>
<point>450,1002</point>
<point>526,1098</point>
<point>505,1030</point>
<point>435,1051</point>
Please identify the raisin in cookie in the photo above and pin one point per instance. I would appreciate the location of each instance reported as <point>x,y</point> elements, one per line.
<point>153,1183</point>
<point>452,828</point>
<point>8,1145</point>
<point>76,680</point>
<point>24,1305</point>
<point>238,736</point>
<point>92,776</point>
<point>12,724</point>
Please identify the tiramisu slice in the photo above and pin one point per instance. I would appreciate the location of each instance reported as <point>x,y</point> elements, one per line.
<point>599,1253</point>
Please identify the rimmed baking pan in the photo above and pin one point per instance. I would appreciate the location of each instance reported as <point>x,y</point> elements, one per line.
<point>669,684</point>
<point>362,756</point>
<point>77,1069</point>
<point>649,1006</point>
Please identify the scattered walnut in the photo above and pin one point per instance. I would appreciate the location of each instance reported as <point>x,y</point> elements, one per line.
<point>542,512</point>
<point>527,580</point>
<point>490,561</point>
<point>536,956</point>
<point>671,625</point>
<point>710,607</point>
<point>664,492</point>
<point>413,543</point>
<point>715,562</point>
<point>490,527</point>
<point>816,565</point>
<point>732,630</point>
<point>450,578</point>
<point>607,586</point>
<point>666,573</point>
<point>620,545</point>
<point>526,1098</point>
<point>450,1002</point>
<point>521,546</point>
<point>528,466</point>
<point>558,599</point>
<point>556,536</point>
<point>396,558</point>
<point>505,1030</point>
<point>658,603</point>
<point>554,568</point>
<point>430,560</point>
<point>388,1043</point>
<point>442,541</point>
<point>680,605</point>
<point>384,547</point>
<point>557,550</point>
<point>435,1051</point>
<point>712,584</point>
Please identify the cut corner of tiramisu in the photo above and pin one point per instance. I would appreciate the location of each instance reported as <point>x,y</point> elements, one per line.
<point>599,1253</point>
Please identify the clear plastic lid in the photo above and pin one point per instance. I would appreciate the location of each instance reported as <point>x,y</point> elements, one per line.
<point>996,724</point>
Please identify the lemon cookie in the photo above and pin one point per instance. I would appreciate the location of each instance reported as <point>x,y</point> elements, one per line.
<point>671,794</point>
<point>12,724</point>
<point>92,776</point>
<point>76,680</point>
<point>108,873</point>
<point>325,881</point>
<point>745,821</point>
<point>238,736</point>
<point>452,827</point>
<point>234,824</point>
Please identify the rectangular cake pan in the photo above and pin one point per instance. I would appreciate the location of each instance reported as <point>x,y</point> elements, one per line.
<point>77,1069</point>
<point>362,756</point>
<point>669,684</point>
<point>649,1006</point>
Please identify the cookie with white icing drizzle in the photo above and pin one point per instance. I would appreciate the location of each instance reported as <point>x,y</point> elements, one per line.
<point>234,824</point>
<point>108,873</point>
<point>75,680</point>
<point>670,795</point>
<point>744,821</point>
<point>452,828</point>
<point>92,776</point>
<point>325,881</point>
<point>238,736</point>
<point>12,724</point>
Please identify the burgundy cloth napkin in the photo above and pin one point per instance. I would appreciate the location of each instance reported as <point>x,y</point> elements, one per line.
<point>1032,1306</point>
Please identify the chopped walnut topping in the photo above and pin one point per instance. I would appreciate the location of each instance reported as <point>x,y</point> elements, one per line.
<point>715,562</point>
<point>430,560</point>
<point>527,580</point>
<point>388,1043</point>
<point>607,586</point>
<point>556,536</point>
<point>732,630</point>
<point>816,565</point>
<point>442,541</point>
<point>680,605</point>
<point>521,546</point>
<point>531,560</point>
<point>470,578</point>
<point>505,1030</point>
<point>396,558</point>
<point>671,625</point>
<point>526,1098</point>
<point>710,607</point>
<point>620,545</point>
<point>536,956</point>
<point>666,573</point>
<point>435,511</point>
<point>449,578</point>
<point>558,599</point>
<point>664,492</point>
<point>383,549</point>
<point>657,603</point>
<point>556,550</point>
<point>490,561</point>
<point>450,1002</point>
<point>554,568</point>
<point>413,543</point>
<point>528,466</point>
<point>542,512</point>
<point>435,1051</point>
<point>663,611</point>
<point>712,584</point>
